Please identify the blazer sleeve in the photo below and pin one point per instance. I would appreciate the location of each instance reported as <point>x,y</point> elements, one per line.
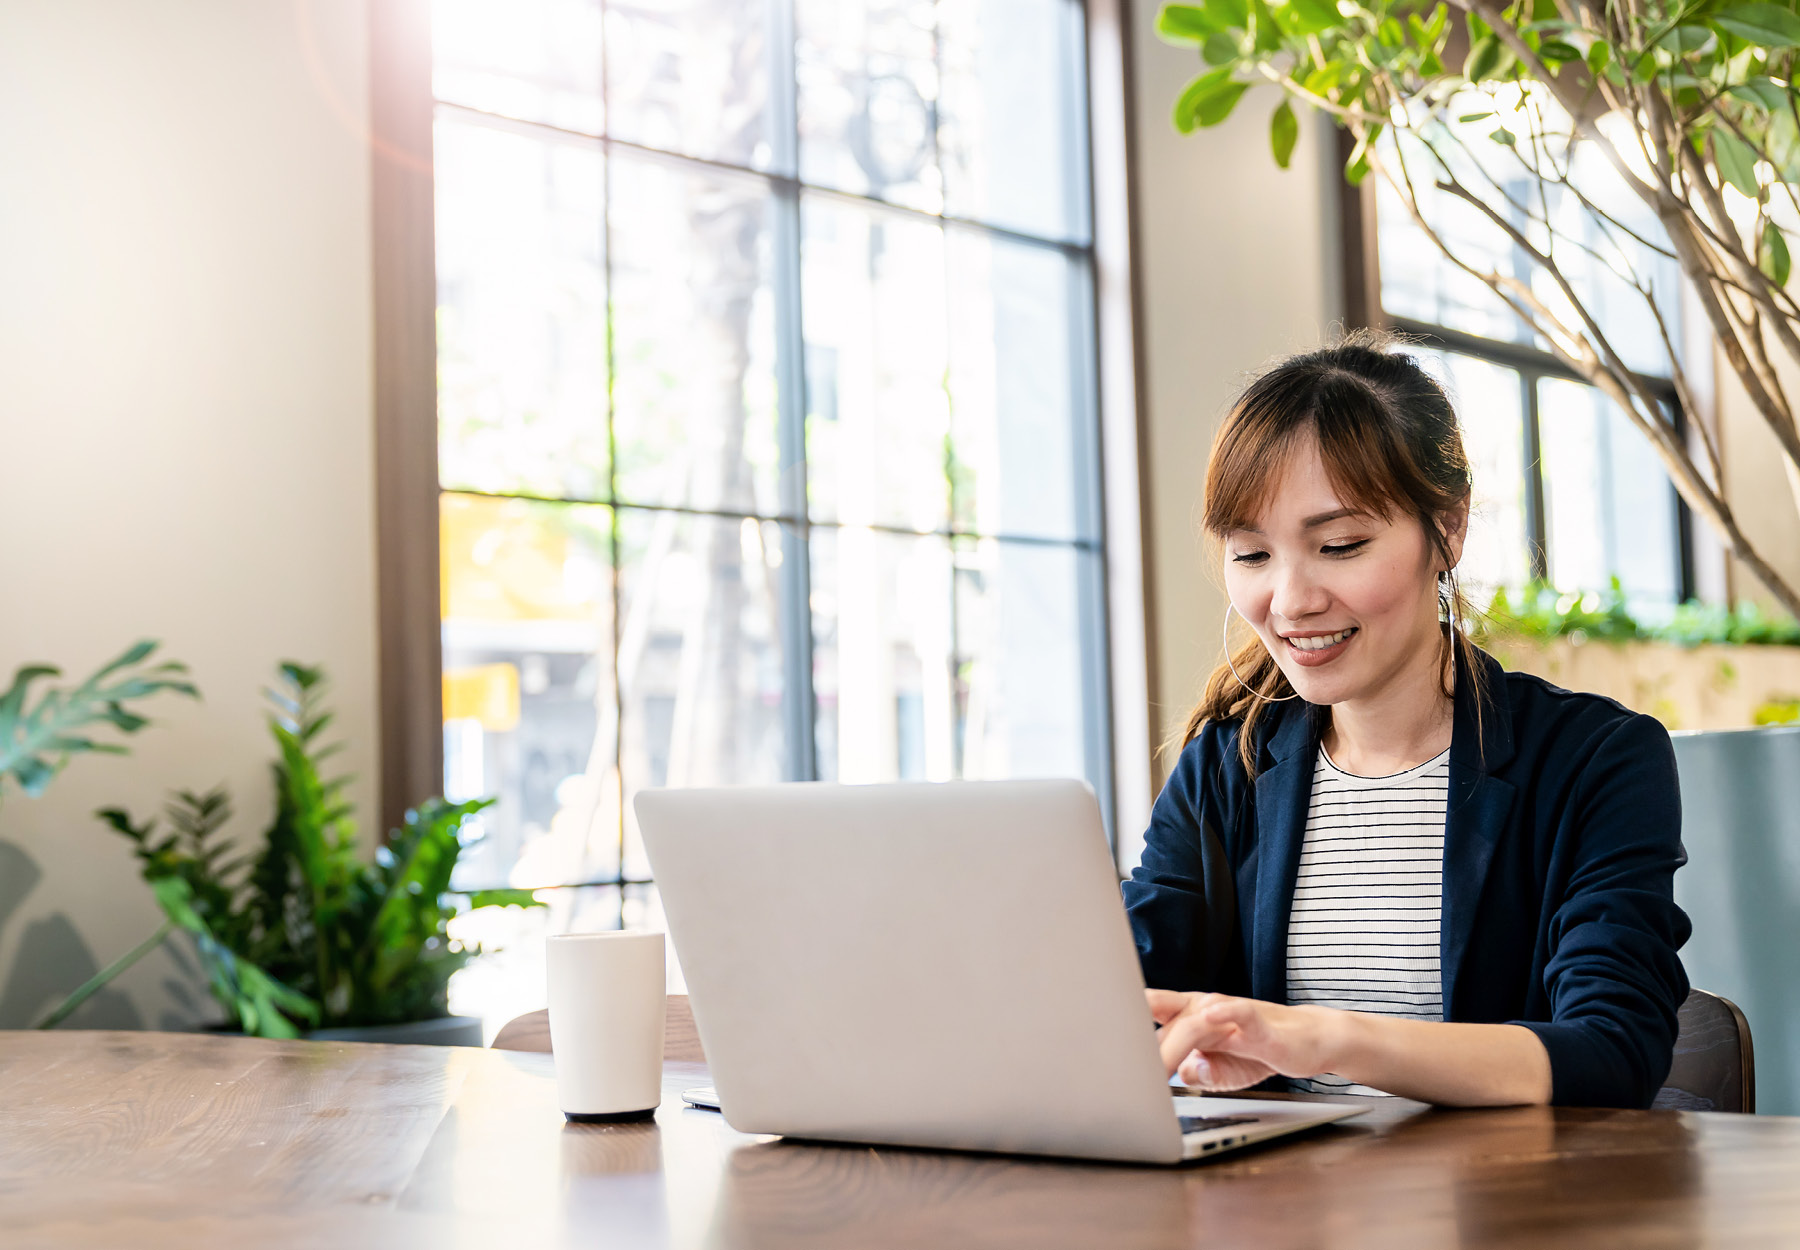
<point>1613,977</point>
<point>1181,897</point>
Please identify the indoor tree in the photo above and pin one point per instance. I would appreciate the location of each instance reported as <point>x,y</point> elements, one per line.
<point>1518,114</point>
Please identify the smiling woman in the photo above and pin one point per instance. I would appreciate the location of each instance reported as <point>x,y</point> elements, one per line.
<point>1373,483</point>
<point>1382,864</point>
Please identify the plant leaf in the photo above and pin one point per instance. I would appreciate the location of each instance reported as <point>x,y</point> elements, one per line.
<point>1766,25</point>
<point>1264,30</point>
<point>1735,161</point>
<point>504,898</point>
<point>37,740</point>
<point>1284,133</point>
<point>1484,58</point>
<point>1356,166</point>
<point>1207,101</point>
<point>1184,23</point>
<point>1309,17</point>
<point>1230,14</point>
<point>1219,49</point>
<point>1772,255</point>
<point>1760,92</point>
<point>1685,39</point>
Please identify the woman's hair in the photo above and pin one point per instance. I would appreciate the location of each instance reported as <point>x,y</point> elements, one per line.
<point>1388,436</point>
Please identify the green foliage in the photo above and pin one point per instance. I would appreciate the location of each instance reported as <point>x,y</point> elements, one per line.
<point>308,931</point>
<point>1746,625</point>
<point>1539,610</point>
<point>1782,710</point>
<point>1725,71</point>
<point>1486,108</point>
<point>38,739</point>
<point>1284,133</point>
<point>1772,255</point>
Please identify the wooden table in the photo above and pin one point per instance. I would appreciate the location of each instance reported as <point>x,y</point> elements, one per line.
<point>162,1139</point>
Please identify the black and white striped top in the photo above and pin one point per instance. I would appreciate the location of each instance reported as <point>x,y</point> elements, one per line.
<point>1363,932</point>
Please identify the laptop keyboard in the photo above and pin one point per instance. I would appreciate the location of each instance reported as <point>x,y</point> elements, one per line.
<point>1200,1123</point>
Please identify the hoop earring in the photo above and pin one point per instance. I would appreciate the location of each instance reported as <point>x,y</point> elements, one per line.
<point>1225,638</point>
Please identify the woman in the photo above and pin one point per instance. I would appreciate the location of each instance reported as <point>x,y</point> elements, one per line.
<point>1381,863</point>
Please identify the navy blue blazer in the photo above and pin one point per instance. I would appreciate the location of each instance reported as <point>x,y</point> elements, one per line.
<point>1561,842</point>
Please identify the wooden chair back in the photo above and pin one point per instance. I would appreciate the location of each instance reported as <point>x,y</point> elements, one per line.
<point>1715,1063</point>
<point>681,1041</point>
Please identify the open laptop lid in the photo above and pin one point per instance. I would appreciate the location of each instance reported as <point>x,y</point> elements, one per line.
<point>932,964</point>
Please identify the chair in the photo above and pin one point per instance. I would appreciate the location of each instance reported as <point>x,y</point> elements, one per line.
<point>681,1041</point>
<point>1715,1065</point>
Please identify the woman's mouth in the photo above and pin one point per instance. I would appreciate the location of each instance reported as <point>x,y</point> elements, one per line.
<point>1320,648</point>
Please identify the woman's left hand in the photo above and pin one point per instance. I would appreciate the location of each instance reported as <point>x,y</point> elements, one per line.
<point>1218,1042</point>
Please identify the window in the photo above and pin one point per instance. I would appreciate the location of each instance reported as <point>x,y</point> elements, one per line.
<point>767,419</point>
<point>1566,489</point>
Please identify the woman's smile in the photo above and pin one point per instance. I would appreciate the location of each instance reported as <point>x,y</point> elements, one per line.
<point>1312,650</point>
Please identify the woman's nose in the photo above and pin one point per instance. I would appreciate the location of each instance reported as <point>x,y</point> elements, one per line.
<point>1297,596</point>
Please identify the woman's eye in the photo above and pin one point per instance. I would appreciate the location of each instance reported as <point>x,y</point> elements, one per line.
<point>1344,549</point>
<point>1250,557</point>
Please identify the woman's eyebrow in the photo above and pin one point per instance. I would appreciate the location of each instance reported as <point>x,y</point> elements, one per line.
<point>1311,522</point>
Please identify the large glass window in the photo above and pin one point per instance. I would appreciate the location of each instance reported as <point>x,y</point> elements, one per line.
<point>1566,488</point>
<point>767,418</point>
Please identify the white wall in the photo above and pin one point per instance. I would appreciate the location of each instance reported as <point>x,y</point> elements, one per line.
<point>1237,265</point>
<point>186,433</point>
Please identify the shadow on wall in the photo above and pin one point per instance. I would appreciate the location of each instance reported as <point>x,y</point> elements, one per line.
<point>51,960</point>
<point>1740,822</point>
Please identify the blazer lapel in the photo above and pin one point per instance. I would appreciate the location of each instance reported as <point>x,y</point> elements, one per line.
<point>1282,792</point>
<point>1479,804</point>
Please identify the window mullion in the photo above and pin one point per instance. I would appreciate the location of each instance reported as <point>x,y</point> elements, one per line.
<point>802,762</point>
<point>1536,528</point>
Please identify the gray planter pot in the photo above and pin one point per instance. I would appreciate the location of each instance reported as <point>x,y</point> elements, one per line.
<point>443,1031</point>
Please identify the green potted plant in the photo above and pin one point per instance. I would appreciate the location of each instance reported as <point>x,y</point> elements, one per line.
<point>307,933</point>
<point>37,739</point>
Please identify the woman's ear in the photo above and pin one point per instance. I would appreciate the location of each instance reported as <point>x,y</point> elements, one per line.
<point>1455,524</point>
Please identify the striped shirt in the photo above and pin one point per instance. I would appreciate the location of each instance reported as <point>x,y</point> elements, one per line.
<point>1363,932</point>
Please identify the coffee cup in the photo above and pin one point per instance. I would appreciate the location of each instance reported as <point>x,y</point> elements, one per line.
<point>608,996</point>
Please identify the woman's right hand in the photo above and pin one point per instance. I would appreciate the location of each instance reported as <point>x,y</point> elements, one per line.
<point>1218,1042</point>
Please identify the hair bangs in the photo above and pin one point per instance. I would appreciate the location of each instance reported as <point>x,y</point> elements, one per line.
<point>1368,470</point>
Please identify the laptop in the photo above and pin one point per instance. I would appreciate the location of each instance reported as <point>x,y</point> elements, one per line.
<point>938,964</point>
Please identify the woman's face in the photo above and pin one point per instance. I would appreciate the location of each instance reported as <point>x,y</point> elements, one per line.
<point>1345,602</point>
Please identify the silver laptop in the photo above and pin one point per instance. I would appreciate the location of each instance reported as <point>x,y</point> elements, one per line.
<point>928,964</point>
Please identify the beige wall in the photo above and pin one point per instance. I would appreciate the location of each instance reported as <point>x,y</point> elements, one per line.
<point>186,449</point>
<point>186,440</point>
<point>1757,486</point>
<point>1237,265</point>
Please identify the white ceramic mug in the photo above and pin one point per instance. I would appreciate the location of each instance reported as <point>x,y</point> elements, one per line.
<point>608,997</point>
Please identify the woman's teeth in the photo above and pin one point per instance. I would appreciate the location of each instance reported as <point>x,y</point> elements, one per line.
<point>1321,642</point>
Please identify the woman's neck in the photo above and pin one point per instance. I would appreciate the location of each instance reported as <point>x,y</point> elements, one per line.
<point>1407,723</point>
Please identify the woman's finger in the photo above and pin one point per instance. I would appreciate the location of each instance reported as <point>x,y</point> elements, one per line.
<point>1165,1005</point>
<point>1194,1070</point>
<point>1192,1031</point>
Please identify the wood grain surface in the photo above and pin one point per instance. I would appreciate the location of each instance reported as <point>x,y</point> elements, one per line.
<point>160,1139</point>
